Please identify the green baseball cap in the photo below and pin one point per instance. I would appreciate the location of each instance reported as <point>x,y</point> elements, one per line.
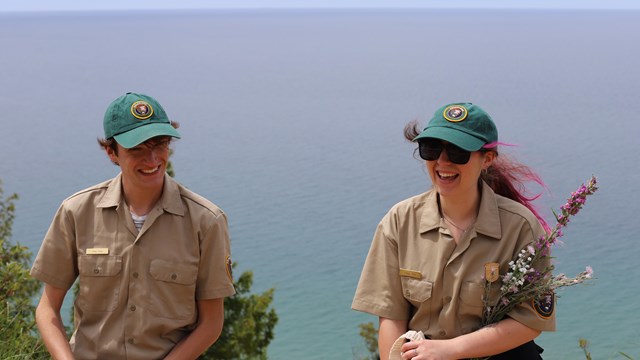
<point>463,124</point>
<point>134,118</point>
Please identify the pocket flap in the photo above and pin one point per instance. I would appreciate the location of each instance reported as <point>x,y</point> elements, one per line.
<point>162,270</point>
<point>416,290</point>
<point>99,265</point>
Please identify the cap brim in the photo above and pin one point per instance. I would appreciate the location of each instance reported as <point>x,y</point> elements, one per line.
<point>456,137</point>
<point>143,133</point>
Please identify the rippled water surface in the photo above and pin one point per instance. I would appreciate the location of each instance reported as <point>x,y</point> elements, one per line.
<point>292,123</point>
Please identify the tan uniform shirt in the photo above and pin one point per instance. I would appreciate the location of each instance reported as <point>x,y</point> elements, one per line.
<point>138,290</point>
<point>415,271</point>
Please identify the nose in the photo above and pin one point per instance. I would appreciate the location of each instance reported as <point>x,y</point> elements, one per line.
<point>444,157</point>
<point>150,155</point>
<point>155,154</point>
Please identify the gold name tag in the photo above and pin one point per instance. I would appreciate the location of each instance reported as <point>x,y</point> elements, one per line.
<point>411,274</point>
<point>98,251</point>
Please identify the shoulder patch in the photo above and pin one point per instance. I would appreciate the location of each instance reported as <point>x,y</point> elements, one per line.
<point>544,306</point>
<point>229,268</point>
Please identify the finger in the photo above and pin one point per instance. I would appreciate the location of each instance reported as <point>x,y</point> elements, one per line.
<point>409,354</point>
<point>409,345</point>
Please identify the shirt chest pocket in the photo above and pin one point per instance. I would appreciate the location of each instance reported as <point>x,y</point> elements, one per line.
<point>472,297</point>
<point>416,290</point>
<point>172,289</point>
<point>100,281</point>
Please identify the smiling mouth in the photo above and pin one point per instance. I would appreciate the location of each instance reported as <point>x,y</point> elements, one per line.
<point>447,176</point>
<point>150,171</point>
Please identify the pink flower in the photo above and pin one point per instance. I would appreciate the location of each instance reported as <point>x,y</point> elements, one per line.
<point>589,272</point>
<point>531,250</point>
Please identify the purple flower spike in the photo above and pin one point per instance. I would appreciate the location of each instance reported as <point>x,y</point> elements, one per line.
<point>523,281</point>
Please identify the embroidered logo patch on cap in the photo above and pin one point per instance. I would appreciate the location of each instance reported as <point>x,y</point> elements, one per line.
<point>141,110</point>
<point>455,113</point>
<point>544,306</point>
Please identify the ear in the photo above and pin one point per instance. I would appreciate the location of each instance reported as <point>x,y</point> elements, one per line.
<point>112,155</point>
<point>489,157</point>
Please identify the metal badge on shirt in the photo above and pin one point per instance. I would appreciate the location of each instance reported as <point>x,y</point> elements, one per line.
<point>492,271</point>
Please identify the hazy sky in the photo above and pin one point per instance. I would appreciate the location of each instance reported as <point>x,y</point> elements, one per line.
<point>70,5</point>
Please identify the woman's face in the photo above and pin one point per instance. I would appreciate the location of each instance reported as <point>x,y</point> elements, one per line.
<point>458,180</point>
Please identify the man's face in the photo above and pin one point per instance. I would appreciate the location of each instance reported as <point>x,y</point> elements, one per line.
<point>143,166</point>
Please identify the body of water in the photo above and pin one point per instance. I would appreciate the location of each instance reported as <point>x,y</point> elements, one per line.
<point>292,123</point>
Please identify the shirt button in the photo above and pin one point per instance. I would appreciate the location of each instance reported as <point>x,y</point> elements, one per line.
<point>130,341</point>
<point>442,333</point>
<point>96,270</point>
<point>135,275</point>
<point>174,276</point>
<point>132,308</point>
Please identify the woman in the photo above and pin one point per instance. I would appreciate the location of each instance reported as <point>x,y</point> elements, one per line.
<point>426,266</point>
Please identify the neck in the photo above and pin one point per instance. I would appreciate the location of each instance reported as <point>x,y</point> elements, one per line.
<point>462,211</point>
<point>140,200</point>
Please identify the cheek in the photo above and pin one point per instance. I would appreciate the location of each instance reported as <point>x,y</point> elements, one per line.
<point>164,155</point>
<point>430,166</point>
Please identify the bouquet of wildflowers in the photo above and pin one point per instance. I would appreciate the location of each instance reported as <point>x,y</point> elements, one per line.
<point>523,282</point>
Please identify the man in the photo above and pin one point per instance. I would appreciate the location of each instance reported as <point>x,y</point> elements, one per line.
<point>152,257</point>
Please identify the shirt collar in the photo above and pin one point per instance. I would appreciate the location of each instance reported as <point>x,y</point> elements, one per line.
<point>487,223</point>
<point>171,201</point>
<point>112,196</point>
<point>430,219</point>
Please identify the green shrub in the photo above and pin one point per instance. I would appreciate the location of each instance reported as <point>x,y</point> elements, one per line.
<point>18,338</point>
<point>248,324</point>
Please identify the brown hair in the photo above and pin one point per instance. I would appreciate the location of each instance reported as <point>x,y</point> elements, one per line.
<point>111,142</point>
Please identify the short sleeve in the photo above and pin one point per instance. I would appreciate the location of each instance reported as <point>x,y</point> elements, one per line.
<point>214,274</point>
<point>56,263</point>
<point>379,290</point>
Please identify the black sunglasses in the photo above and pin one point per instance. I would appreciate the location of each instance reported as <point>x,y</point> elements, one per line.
<point>430,150</point>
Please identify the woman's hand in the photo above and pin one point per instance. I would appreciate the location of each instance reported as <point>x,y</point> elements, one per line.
<point>427,350</point>
<point>489,340</point>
